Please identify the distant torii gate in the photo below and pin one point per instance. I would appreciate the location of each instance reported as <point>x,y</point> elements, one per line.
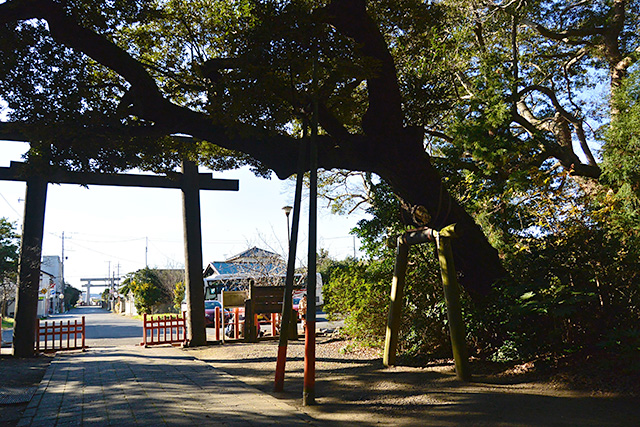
<point>38,175</point>
<point>109,281</point>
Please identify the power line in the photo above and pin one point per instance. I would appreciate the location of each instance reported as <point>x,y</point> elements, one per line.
<point>105,254</point>
<point>11,206</point>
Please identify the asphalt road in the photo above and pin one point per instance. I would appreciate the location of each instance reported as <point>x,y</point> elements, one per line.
<point>105,329</point>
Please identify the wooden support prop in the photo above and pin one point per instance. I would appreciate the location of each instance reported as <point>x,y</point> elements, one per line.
<point>395,308</point>
<point>250,322</point>
<point>309,390</point>
<point>451,292</point>
<point>454,308</point>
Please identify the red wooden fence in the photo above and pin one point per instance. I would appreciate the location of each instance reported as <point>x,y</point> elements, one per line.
<point>164,330</point>
<point>65,335</point>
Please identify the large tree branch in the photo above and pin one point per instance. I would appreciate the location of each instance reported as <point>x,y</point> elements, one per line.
<point>277,152</point>
<point>565,154</point>
<point>575,121</point>
<point>350,17</point>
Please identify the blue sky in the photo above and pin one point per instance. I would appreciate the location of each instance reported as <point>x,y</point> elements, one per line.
<point>107,228</point>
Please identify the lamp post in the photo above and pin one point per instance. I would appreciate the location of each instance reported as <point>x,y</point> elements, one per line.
<point>287,211</point>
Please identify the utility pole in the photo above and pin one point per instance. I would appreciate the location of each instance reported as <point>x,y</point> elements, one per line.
<point>62,274</point>
<point>109,284</point>
<point>146,251</point>
<point>62,261</point>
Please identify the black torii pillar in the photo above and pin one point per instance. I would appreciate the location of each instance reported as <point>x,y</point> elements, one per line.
<point>29,267</point>
<point>194,282</point>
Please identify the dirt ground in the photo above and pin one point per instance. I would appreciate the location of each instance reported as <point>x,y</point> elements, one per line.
<point>16,375</point>
<point>354,388</point>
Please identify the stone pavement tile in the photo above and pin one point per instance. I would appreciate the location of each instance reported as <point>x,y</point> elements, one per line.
<point>69,423</point>
<point>134,386</point>
<point>24,421</point>
<point>35,400</point>
<point>29,412</point>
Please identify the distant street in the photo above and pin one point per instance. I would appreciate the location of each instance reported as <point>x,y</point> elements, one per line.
<point>105,329</point>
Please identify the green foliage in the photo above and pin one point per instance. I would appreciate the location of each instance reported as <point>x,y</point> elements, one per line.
<point>621,157</point>
<point>9,254</point>
<point>572,287</point>
<point>360,295</point>
<point>146,289</point>
<point>178,296</point>
<point>9,250</point>
<point>71,296</point>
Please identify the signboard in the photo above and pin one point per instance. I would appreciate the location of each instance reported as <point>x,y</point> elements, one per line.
<point>233,298</point>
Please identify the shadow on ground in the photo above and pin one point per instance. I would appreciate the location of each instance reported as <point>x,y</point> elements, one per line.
<point>360,390</point>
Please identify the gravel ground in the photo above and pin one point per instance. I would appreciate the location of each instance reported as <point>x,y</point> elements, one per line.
<point>354,388</point>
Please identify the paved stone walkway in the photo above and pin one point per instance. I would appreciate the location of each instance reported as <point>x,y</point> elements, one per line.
<point>150,387</point>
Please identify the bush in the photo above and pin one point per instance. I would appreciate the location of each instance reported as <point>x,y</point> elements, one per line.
<point>147,290</point>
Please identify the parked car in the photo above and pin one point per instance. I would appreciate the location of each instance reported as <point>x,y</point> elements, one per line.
<point>210,311</point>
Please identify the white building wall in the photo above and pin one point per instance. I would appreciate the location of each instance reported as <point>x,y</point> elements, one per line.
<point>50,285</point>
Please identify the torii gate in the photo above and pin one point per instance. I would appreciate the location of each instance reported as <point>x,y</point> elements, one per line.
<point>37,176</point>
<point>110,281</point>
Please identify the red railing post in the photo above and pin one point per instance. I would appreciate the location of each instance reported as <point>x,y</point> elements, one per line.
<point>144,329</point>
<point>236,326</point>
<point>216,323</point>
<point>46,334</point>
<point>273,324</point>
<point>83,331</point>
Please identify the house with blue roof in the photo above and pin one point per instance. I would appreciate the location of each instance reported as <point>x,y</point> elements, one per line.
<point>253,266</point>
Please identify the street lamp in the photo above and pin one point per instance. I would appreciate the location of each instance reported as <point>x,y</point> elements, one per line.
<point>287,211</point>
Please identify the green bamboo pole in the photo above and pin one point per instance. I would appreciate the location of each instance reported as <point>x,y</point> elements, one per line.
<point>452,300</point>
<point>395,308</point>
